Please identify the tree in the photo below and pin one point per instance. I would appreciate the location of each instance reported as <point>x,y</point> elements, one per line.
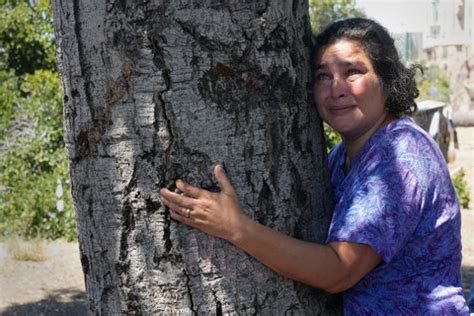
<point>160,90</point>
<point>26,36</point>
<point>433,83</point>
<point>33,159</point>
<point>32,153</point>
<point>323,12</point>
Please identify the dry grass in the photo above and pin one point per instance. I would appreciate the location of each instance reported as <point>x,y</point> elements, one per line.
<point>22,250</point>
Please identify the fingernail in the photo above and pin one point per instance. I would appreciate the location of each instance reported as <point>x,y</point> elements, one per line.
<point>223,166</point>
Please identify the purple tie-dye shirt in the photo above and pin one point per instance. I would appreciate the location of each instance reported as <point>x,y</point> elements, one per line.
<point>398,198</point>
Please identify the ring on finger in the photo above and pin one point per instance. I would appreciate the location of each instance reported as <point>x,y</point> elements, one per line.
<point>188,212</point>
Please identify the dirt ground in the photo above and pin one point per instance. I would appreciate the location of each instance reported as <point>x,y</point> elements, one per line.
<point>56,286</point>
<point>465,159</point>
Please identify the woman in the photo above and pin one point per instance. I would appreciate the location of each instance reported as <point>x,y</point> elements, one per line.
<point>394,242</point>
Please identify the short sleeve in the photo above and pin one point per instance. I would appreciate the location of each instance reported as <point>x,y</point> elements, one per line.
<point>380,204</point>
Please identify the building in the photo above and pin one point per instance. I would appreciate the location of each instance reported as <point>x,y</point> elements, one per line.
<point>409,45</point>
<point>449,38</point>
<point>448,42</point>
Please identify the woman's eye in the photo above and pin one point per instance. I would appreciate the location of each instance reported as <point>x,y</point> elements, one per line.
<point>322,77</point>
<point>352,72</point>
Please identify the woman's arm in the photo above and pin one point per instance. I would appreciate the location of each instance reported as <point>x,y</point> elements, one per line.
<point>334,267</point>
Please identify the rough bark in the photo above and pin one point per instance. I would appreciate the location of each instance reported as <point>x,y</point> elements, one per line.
<point>160,90</point>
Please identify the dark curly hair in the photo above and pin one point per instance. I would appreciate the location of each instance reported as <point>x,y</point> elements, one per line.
<point>398,81</point>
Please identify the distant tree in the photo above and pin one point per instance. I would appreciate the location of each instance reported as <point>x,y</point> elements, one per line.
<point>32,153</point>
<point>323,12</point>
<point>433,83</point>
<point>26,36</point>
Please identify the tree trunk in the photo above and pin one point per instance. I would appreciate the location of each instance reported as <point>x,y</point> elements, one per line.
<point>160,90</point>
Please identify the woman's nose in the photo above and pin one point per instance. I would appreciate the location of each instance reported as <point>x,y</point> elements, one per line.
<point>339,88</point>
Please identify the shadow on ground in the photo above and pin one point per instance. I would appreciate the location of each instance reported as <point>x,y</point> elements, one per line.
<point>74,303</point>
<point>55,304</point>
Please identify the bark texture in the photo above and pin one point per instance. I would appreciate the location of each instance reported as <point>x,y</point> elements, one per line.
<point>156,90</point>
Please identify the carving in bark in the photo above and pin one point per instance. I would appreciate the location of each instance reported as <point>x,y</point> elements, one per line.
<point>159,90</point>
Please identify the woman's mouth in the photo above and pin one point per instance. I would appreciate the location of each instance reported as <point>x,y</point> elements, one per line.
<point>340,109</point>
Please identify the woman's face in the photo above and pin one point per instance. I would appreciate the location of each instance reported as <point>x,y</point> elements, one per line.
<point>347,91</point>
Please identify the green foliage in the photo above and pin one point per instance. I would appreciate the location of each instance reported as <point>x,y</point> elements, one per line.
<point>26,36</point>
<point>433,84</point>
<point>8,95</point>
<point>32,153</point>
<point>33,158</point>
<point>331,136</point>
<point>462,190</point>
<point>323,12</point>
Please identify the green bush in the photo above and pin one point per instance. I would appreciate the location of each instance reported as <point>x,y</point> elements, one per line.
<point>32,154</point>
<point>323,12</point>
<point>32,159</point>
<point>26,36</point>
<point>433,83</point>
<point>462,190</point>
<point>30,176</point>
<point>332,138</point>
<point>8,95</point>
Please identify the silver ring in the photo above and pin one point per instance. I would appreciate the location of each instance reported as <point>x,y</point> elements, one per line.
<point>188,212</point>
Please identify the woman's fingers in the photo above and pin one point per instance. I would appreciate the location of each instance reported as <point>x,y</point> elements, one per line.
<point>224,182</point>
<point>177,216</point>
<point>218,214</point>
<point>184,218</point>
<point>179,200</point>
<point>188,189</point>
<point>181,210</point>
<point>197,193</point>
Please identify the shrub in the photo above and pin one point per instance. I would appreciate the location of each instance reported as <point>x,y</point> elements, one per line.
<point>21,250</point>
<point>332,138</point>
<point>32,154</point>
<point>462,190</point>
<point>32,159</point>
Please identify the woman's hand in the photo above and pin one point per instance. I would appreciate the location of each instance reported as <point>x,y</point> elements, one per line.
<point>334,267</point>
<point>218,214</point>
